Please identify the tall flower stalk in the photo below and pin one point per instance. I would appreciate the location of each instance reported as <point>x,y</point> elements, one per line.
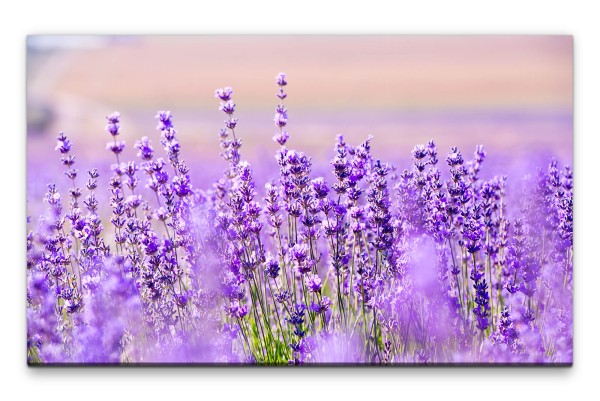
<point>371,263</point>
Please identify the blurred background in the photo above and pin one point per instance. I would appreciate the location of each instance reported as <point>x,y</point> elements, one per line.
<point>514,94</point>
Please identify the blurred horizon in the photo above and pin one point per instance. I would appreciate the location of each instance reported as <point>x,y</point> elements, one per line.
<point>513,94</point>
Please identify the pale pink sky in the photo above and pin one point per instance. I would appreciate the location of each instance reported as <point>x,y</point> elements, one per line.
<point>324,71</point>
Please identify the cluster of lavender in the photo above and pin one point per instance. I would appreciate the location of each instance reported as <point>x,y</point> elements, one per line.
<point>374,266</point>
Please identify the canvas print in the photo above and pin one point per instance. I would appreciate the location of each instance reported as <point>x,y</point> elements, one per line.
<point>299,200</point>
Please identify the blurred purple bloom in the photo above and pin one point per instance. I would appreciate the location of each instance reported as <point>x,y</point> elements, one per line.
<point>224,94</point>
<point>280,78</point>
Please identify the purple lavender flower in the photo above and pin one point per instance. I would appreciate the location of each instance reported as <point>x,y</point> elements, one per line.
<point>281,117</point>
<point>113,123</point>
<point>281,137</point>
<point>145,151</point>
<point>313,282</point>
<point>296,318</point>
<point>63,143</point>
<point>236,310</point>
<point>272,269</point>
<point>321,306</point>
<point>224,94</point>
<point>299,252</point>
<point>507,333</point>
<point>113,129</point>
<point>481,309</point>
<point>227,107</point>
<point>281,79</point>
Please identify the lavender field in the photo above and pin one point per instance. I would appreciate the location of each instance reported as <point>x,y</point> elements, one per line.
<point>161,254</point>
